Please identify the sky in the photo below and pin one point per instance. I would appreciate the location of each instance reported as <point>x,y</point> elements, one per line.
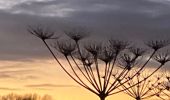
<point>24,59</point>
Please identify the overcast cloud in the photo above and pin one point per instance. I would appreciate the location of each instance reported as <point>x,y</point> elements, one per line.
<point>131,19</point>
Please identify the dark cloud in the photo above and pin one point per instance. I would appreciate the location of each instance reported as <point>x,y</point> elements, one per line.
<point>49,85</point>
<point>132,19</point>
<point>13,66</point>
<point>2,76</point>
<point>15,73</point>
<point>31,77</point>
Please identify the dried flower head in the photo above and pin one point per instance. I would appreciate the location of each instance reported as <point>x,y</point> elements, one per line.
<point>93,48</point>
<point>167,88</point>
<point>77,33</point>
<point>156,45</point>
<point>42,33</point>
<point>85,57</point>
<point>65,47</point>
<point>118,45</point>
<point>127,61</point>
<point>137,51</point>
<point>106,54</point>
<point>162,58</point>
<point>89,62</point>
<point>168,78</point>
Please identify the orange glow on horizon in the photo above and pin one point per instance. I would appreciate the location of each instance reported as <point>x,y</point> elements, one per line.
<point>40,72</point>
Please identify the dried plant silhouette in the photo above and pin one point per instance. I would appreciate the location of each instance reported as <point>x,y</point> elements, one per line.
<point>145,89</point>
<point>91,65</point>
<point>164,87</point>
<point>13,96</point>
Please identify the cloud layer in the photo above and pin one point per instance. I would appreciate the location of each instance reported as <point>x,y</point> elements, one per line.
<point>132,19</point>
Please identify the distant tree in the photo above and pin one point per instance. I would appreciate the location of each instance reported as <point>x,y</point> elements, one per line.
<point>13,96</point>
<point>92,64</point>
<point>46,97</point>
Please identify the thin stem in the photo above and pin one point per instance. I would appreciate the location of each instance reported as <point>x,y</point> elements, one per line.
<point>144,86</point>
<point>123,76</point>
<point>66,70</point>
<point>94,79</point>
<point>127,91</point>
<point>102,98</point>
<point>138,70</point>
<point>74,71</point>
<point>146,92</point>
<point>88,78</point>
<point>105,76</point>
<point>137,83</point>
<point>145,63</point>
<point>108,80</point>
<point>79,51</point>
<point>118,78</point>
<point>98,73</point>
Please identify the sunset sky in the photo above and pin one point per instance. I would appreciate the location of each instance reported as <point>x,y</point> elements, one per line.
<point>27,66</point>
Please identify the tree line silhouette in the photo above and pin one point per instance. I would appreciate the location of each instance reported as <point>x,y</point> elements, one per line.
<point>13,96</point>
